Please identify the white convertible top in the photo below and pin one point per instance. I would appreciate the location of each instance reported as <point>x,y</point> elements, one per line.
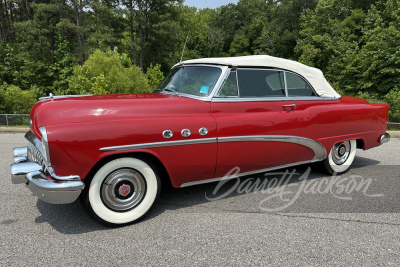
<point>313,75</point>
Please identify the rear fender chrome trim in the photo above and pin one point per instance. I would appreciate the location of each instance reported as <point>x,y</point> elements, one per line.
<point>318,149</point>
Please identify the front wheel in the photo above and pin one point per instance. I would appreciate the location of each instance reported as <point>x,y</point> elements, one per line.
<point>122,191</point>
<point>340,157</point>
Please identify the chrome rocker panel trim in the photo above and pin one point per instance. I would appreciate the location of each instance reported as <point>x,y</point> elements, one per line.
<point>206,181</point>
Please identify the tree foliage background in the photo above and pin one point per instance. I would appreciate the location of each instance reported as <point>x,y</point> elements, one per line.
<point>126,46</point>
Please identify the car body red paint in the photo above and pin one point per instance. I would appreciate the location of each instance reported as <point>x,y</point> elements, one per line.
<point>79,127</point>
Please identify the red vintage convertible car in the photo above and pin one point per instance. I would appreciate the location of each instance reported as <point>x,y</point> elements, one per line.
<point>258,113</point>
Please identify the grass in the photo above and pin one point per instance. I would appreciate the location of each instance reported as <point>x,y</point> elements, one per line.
<point>14,126</point>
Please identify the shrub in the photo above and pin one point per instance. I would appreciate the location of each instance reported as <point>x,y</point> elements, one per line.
<point>107,73</point>
<point>13,100</point>
<point>393,99</point>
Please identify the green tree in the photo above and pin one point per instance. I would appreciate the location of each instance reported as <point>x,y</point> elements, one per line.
<point>393,99</point>
<point>154,75</point>
<point>13,100</point>
<point>104,73</point>
<point>378,61</point>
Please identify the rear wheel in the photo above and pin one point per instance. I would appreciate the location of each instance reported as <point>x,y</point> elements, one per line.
<point>122,191</point>
<point>340,157</point>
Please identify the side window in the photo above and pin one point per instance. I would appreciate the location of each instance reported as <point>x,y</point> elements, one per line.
<point>297,86</point>
<point>261,83</point>
<point>276,82</point>
<point>230,86</point>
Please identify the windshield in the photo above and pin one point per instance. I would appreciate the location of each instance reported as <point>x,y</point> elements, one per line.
<point>193,80</point>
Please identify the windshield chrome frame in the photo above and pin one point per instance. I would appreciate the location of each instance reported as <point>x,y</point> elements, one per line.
<point>224,71</point>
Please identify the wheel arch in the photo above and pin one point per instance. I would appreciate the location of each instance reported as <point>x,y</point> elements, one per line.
<point>360,143</point>
<point>163,173</point>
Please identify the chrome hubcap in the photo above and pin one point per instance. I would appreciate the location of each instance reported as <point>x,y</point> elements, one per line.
<point>341,152</point>
<point>123,189</point>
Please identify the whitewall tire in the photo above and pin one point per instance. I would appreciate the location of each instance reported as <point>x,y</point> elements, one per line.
<point>122,191</point>
<point>340,157</point>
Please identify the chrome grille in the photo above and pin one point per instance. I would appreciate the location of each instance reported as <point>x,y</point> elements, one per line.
<point>34,155</point>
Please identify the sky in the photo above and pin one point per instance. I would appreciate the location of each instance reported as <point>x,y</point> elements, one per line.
<point>208,3</point>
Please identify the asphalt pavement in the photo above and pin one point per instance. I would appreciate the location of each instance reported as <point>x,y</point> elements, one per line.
<point>293,217</point>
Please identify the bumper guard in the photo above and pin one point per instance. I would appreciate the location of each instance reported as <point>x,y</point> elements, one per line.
<point>385,138</point>
<point>47,189</point>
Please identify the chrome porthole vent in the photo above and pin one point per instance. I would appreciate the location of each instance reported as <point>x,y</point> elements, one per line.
<point>203,131</point>
<point>168,134</point>
<point>186,132</point>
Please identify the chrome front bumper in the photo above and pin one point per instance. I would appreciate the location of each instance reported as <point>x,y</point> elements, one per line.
<point>47,189</point>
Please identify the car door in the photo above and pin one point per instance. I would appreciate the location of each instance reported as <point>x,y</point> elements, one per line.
<point>313,112</point>
<point>257,123</point>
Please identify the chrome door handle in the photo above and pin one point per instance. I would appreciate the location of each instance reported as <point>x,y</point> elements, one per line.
<point>289,107</point>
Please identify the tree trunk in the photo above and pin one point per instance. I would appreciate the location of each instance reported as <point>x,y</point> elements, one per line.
<point>78,7</point>
<point>8,20</point>
<point>132,39</point>
<point>3,34</point>
<point>141,43</point>
<point>111,38</point>
<point>28,12</point>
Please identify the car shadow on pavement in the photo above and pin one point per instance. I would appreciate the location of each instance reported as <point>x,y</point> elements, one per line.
<point>72,219</point>
<point>68,218</point>
<point>360,162</point>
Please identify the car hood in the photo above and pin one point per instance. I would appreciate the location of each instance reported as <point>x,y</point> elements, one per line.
<point>113,107</point>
